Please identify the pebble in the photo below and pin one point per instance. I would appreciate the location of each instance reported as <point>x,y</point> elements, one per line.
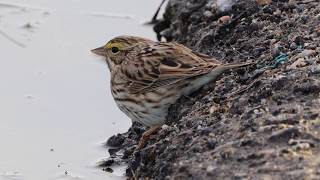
<point>300,62</point>
<point>210,168</point>
<point>208,14</point>
<point>293,46</point>
<point>277,49</point>
<point>115,140</point>
<point>263,2</point>
<point>224,19</point>
<point>303,54</point>
<point>211,144</point>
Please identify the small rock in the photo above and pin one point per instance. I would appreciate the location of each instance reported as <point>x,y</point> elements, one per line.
<point>206,131</point>
<point>277,12</point>
<point>277,49</point>
<point>210,168</point>
<point>299,40</point>
<point>165,127</point>
<point>108,169</point>
<point>106,163</point>
<point>273,41</point>
<point>208,14</point>
<point>211,144</point>
<point>263,2</point>
<point>298,63</point>
<point>305,19</point>
<point>214,109</point>
<point>293,46</point>
<point>115,140</point>
<point>224,19</point>
<point>112,151</point>
<point>269,9</point>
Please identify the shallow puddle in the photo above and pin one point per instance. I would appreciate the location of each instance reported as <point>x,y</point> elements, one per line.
<point>56,109</point>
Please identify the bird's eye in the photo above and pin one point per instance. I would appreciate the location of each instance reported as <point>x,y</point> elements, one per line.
<point>114,50</point>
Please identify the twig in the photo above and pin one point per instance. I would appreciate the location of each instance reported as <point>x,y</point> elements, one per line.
<point>8,37</point>
<point>241,90</point>
<point>154,18</point>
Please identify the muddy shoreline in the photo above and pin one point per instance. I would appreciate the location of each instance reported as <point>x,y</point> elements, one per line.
<point>269,131</point>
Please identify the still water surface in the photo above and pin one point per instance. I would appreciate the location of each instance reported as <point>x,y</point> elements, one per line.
<point>56,109</point>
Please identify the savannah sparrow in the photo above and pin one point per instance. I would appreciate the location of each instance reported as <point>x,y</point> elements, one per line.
<point>147,76</point>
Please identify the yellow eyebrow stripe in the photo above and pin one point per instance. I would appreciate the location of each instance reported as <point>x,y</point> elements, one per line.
<point>108,46</point>
<point>118,45</point>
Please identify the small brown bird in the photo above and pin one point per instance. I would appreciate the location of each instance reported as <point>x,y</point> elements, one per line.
<point>147,76</point>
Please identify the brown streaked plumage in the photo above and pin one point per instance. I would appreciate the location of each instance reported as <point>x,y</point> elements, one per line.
<point>147,76</point>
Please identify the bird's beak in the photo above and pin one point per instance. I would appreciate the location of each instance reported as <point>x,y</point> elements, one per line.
<point>101,51</point>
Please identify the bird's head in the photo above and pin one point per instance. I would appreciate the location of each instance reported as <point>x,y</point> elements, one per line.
<point>117,49</point>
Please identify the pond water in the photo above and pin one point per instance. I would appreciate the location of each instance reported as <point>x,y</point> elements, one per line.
<point>56,110</point>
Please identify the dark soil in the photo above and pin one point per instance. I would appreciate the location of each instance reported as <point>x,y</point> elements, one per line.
<point>269,131</point>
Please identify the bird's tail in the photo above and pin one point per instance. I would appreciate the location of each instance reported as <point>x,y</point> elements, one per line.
<point>222,68</point>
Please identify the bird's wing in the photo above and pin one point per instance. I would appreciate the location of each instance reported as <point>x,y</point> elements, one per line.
<point>163,64</point>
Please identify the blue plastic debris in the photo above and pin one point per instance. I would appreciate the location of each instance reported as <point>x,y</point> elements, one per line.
<point>280,60</point>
